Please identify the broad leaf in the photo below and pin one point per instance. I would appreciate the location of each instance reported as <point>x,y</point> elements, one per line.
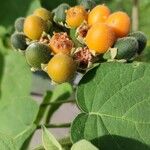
<point>13,11</point>
<point>34,4</point>
<point>49,141</point>
<point>1,69</point>
<point>17,109</point>
<point>83,145</point>
<point>20,138</point>
<point>6,143</point>
<point>115,99</point>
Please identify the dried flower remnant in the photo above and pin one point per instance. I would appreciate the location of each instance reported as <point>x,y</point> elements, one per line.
<point>83,56</point>
<point>60,42</point>
<point>45,39</point>
<point>81,32</point>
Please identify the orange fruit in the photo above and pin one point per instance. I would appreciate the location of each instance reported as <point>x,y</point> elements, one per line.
<point>120,22</point>
<point>98,14</point>
<point>100,38</point>
<point>75,16</point>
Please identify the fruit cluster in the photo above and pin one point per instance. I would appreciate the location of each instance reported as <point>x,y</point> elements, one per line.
<point>69,39</point>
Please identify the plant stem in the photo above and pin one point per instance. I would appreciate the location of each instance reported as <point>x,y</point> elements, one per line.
<point>64,125</point>
<point>135,15</point>
<point>58,102</point>
<point>36,94</point>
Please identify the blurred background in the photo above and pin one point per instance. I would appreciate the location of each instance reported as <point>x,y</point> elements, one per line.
<point>138,10</point>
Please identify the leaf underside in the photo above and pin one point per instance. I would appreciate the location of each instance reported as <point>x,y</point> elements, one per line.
<point>17,109</point>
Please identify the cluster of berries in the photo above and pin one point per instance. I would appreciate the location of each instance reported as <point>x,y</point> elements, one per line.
<point>70,39</point>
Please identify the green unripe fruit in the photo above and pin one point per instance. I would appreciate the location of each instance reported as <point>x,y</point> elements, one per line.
<point>88,4</point>
<point>126,48</point>
<point>61,68</point>
<point>19,23</point>
<point>141,38</point>
<point>60,13</point>
<point>34,26</point>
<point>37,54</point>
<point>43,13</point>
<point>18,41</point>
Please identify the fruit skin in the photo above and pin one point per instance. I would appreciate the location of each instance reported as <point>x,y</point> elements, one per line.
<point>126,48</point>
<point>60,42</point>
<point>61,68</point>
<point>34,26</point>
<point>88,4</point>
<point>100,38</point>
<point>18,41</point>
<point>98,14</point>
<point>120,22</point>
<point>37,54</point>
<point>75,16</point>
<point>59,13</point>
<point>43,13</point>
<point>141,38</point>
<point>19,23</point>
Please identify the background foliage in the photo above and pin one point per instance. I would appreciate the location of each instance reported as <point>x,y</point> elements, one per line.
<point>18,110</point>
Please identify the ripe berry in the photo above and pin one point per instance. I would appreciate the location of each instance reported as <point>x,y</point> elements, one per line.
<point>75,16</point>
<point>34,27</point>
<point>61,68</point>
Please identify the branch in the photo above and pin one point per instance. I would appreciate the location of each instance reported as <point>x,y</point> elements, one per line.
<point>135,15</point>
<point>64,125</point>
<point>58,102</point>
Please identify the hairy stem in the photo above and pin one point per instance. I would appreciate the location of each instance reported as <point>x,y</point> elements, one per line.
<point>63,125</point>
<point>135,15</point>
<point>59,102</point>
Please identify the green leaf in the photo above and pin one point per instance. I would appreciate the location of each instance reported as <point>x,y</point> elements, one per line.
<point>1,69</point>
<point>13,11</point>
<point>6,142</point>
<point>115,100</point>
<point>21,137</point>
<point>17,77</point>
<point>49,141</point>
<point>83,145</point>
<point>17,109</point>
<point>33,5</point>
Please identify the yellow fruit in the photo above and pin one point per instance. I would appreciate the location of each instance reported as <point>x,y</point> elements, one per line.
<point>61,68</point>
<point>34,27</point>
<point>99,38</point>
<point>75,16</point>
<point>43,13</point>
<point>98,14</point>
